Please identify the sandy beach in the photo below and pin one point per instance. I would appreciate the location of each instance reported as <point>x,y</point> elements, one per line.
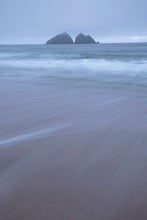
<point>69,153</point>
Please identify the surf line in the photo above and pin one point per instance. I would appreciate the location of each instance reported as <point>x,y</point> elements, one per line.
<point>31,135</point>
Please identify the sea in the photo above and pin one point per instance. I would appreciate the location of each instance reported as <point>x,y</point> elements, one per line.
<point>121,64</point>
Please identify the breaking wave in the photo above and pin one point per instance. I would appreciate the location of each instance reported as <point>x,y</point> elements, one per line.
<point>92,65</point>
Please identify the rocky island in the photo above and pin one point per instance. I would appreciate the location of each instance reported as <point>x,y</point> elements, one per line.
<point>84,39</point>
<point>65,38</point>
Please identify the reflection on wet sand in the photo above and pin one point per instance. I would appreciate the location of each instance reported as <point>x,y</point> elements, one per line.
<point>94,167</point>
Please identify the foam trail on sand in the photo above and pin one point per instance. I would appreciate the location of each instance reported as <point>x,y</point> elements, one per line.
<point>30,135</point>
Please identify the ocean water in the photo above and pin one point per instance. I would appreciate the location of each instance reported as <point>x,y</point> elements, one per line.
<point>100,64</point>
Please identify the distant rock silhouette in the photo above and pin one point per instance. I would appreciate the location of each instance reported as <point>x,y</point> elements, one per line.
<point>83,39</point>
<point>63,38</point>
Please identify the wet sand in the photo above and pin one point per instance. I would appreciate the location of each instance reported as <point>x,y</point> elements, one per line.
<point>72,152</point>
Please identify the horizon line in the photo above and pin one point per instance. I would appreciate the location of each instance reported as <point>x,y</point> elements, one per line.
<point>129,42</point>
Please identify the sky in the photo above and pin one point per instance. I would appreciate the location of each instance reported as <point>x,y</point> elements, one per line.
<point>35,21</point>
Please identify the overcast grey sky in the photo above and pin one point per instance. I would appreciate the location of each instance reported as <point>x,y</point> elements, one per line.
<point>35,21</point>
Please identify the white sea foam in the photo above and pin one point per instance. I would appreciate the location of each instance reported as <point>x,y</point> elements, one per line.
<point>93,65</point>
